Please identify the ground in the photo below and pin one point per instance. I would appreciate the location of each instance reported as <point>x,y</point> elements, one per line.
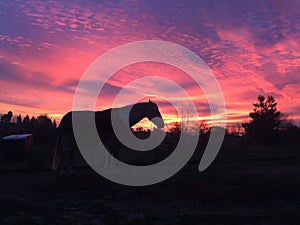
<point>258,191</point>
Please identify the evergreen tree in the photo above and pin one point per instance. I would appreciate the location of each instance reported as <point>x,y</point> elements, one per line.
<point>265,120</point>
<point>19,119</point>
<point>26,120</point>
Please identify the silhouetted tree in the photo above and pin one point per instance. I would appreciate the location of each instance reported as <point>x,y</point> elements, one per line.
<point>26,128</point>
<point>19,125</point>
<point>7,117</point>
<point>6,127</point>
<point>26,120</point>
<point>289,133</point>
<point>19,120</point>
<point>139,129</point>
<point>43,130</point>
<point>235,129</point>
<point>204,127</point>
<point>175,128</point>
<point>265,120</point>
<point>33,123</point>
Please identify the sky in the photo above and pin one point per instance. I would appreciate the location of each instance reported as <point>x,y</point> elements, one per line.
<point>251,46</point>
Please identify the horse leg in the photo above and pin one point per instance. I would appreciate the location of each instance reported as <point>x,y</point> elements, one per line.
<point>71,161</point>
<point>62,163</point>
<point>110,157</point>
<point>108,160</point>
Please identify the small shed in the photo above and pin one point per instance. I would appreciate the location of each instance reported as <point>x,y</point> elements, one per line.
<point>16,147</point>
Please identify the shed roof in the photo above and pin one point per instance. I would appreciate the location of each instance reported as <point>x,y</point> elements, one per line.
<point>16,137</point>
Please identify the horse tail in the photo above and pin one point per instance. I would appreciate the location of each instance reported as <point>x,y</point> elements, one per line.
<point>57,152</point>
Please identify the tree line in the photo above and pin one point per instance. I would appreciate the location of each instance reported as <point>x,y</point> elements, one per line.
<point>42,127</point>
<point>267,125</point>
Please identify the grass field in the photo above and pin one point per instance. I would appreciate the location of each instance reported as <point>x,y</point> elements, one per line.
<point>241,187</point>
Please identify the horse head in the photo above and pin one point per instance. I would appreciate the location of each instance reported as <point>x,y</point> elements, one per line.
<point>153,114</point>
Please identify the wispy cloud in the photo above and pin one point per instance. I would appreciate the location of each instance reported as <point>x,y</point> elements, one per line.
<point>251,46</point>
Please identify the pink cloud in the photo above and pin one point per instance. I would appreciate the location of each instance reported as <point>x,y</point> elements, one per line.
<point>251,53</point>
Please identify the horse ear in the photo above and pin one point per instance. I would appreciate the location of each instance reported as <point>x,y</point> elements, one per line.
<point>150,101</point>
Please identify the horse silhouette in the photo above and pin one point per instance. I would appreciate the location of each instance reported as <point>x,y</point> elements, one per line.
<point>66,143</point>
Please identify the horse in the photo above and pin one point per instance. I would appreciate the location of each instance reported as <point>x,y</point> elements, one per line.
<point>66,143</point>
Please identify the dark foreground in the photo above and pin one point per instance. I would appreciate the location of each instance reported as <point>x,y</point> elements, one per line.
<point>246,192</point>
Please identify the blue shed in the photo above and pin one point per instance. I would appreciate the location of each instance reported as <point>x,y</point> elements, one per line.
<point>16,147</point>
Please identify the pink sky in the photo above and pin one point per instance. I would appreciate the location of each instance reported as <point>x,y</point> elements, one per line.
<point>252,48</point>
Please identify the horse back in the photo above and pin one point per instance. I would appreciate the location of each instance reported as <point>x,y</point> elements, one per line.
<point>102,121</point>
